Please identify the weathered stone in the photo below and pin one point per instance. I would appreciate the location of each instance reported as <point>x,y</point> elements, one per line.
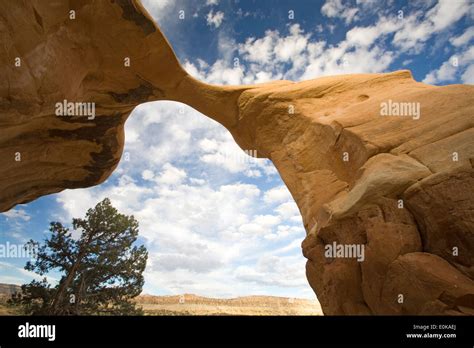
<point>400,186</point>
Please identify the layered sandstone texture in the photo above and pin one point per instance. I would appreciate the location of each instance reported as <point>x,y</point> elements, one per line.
<point>401,187</point>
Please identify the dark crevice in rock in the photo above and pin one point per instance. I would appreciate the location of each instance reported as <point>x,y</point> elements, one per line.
<point>130,13</point>
<point>38,18</point>
<point>136,95</point>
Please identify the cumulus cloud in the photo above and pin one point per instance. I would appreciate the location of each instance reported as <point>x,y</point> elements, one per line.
<point>457,65</point>
<point>336,9</point>
<point>464,38</point>
<point>159,10</point>
<point>417,28</point>
<point>288,210</point>
<point>12,274</point>
<point>259,50</point>
<point>468,75</point>
<point>297,56</point>
<point>229,156</point>
<point>446,72</point>
<point>215,19</point>
<point>221,72</point>
<point>201,262</point>
<point>17,214</point>
<point>171,175</point>
<point>277,194</point>
<point>275,47</point>
<point>274,270</point>
<point>447,12</point>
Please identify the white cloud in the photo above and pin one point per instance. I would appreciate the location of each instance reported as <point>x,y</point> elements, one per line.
<point>171,175</point>
<point>288,210</point>
<point>273,270</point>
<point>445,72</point>
<point>296,56</point>
<point>220,73</point>
<point>197,181</point>
<point>336,9</point>
<point>417,28</point>
<point>288,48</point>
<point>274,48</point>
<point>464,38</point>
<point>125,195</point>
<point>410,32</point>
<point>194,71</point>
<point>227,155</point>
<point>468,75</point>
<point>159,10</point>
<point>362,36</point>
<point>447,12</point>
<point>147,174</point>
<point>341,60</point>
<point>17,214</point>
<point>277,195</point>
<point>260,225</point>
<point>284,232</point>
<point>201,262</point>
<point>263,76</point>
<point>215,19</point>
<point>259,50</point>
<point>226,45</point>
<point>20,275</point>
<point>456,65</point>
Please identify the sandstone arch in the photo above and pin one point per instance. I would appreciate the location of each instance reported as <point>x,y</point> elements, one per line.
<point>408,249</point>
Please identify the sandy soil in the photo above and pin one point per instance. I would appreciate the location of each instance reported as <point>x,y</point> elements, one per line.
<point>189,304</point>
<point>252,305</point>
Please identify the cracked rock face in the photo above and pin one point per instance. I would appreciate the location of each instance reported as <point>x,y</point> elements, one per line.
<point>399,189</point>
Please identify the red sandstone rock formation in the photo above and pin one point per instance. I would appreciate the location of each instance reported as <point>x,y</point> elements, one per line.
<point>402,187</point>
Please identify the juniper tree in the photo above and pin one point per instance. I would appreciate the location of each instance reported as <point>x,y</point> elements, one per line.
<point>101,268</point>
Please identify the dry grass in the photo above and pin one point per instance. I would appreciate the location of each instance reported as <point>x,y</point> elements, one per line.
<point>196,305</point>
<point>250,305</point>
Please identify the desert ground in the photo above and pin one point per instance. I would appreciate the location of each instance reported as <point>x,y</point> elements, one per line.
<point>189,304</point>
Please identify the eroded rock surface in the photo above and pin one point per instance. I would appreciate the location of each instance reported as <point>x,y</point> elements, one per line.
<point>400,186</point>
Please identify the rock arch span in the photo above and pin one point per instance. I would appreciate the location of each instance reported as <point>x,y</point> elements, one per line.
<point>390,184</point>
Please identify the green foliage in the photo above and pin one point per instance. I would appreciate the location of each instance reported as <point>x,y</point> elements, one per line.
<point>101,268</point>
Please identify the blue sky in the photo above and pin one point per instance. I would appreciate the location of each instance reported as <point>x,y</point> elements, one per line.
<point>217,222</point>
